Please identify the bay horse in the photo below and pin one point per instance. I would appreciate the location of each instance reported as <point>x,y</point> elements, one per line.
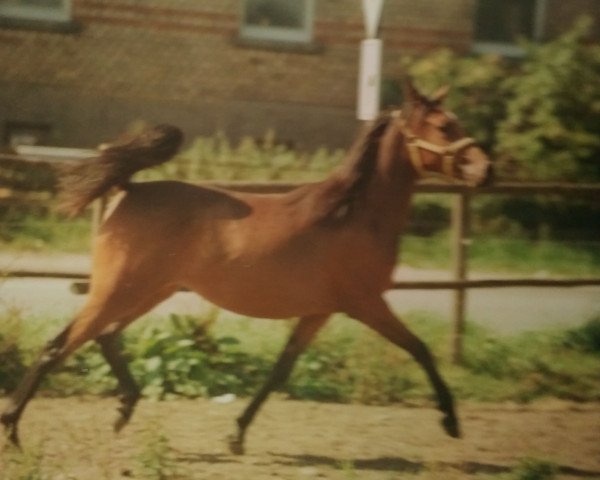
<point>321,248</point>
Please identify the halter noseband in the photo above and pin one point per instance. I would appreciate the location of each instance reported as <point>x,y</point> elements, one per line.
<point>414,145</point>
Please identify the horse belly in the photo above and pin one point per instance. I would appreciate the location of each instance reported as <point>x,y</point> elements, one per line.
<point>265,292</point>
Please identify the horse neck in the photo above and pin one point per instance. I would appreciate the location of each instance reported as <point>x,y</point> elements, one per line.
<point>392,184</point>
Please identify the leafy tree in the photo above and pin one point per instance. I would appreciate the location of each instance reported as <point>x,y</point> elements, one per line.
<point>552,126</point>
<point>540,115</point>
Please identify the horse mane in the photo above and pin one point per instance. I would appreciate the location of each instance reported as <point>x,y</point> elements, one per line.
<point>81,183</point>
<point>333,200</point>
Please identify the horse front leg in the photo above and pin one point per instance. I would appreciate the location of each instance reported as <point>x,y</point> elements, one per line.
<point>378,316</point>
<point>305,331</point>
<point>110,346</point>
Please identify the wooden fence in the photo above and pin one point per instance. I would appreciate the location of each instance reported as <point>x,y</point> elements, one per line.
<point>460,228</point>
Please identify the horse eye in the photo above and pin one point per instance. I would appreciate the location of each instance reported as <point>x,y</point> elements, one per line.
<point>446,128</point>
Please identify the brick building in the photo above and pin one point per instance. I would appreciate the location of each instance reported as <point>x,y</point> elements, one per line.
<point>75,72</point>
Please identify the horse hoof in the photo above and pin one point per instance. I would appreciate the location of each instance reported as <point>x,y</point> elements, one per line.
<point>450,424</point>
<point>236,446</point>
<point>120,422</point>
<point>10,430</point>
<point>10,434</point>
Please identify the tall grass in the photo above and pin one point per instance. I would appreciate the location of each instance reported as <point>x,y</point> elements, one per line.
<point>179,357</point>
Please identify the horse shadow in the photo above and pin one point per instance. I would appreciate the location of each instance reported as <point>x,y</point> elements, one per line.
<point>402,465</point>
<point>378,464</point>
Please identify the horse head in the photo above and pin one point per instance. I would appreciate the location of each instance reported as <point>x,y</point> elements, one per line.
<point>436,142</point>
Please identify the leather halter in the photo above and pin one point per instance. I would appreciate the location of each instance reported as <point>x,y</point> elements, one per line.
<point>414,145</point>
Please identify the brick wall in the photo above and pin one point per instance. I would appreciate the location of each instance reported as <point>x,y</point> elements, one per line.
<point>180,61</point>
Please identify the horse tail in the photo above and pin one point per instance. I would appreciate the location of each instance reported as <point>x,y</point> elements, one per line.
<point>79,184</point>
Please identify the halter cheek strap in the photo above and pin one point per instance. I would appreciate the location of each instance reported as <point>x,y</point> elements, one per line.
<point>448,153</point>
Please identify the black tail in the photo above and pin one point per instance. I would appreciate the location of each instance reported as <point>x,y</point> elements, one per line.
<point>80,184</point>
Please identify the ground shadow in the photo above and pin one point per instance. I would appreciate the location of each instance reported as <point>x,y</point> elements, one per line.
<point>395,464</point>
<point>398,464</point>
<point>204,458</point>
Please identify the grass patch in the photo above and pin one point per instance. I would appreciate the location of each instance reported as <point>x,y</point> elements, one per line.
<point>535,469</point>
<point>156,459</point>
<point>505,255</point>
<point>45,232</point>
<point>184,357</point>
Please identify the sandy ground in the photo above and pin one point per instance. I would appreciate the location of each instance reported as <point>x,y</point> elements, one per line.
<point>71,439</point>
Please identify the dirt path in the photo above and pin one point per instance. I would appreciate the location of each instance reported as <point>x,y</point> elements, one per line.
<point>71,439</point>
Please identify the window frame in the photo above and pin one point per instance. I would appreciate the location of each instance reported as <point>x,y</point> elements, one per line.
<point>31,13</point>
<point>281,35</point>
<point>512,49</point>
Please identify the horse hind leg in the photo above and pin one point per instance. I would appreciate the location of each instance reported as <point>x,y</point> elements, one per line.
<point>110,345</point>
<point>51,355</point>
<point>99,316</point>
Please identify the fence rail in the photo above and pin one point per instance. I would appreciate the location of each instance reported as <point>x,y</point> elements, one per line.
<point>460,227</point>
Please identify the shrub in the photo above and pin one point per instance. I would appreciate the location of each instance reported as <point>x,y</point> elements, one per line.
<point>540,116</point>
<point>185,359</point>
<point>12,365</point>
<point>552,118</point>
<point>534,469</point>
<point>586,337</point>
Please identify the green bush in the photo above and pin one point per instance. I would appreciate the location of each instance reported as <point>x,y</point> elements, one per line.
<point>586,337</point>
<point>540,115</point>
<point>217,158</point>
<point>182,356</point>
<point>184,359</point>
<point>12,366</point>
<point>534,469</point>
<point>552,118</point>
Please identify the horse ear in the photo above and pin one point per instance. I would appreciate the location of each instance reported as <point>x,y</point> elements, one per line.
<point>440,95</point>
<point>411,94</point>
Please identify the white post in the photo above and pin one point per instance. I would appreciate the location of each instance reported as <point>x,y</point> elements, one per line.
<point>369,77</point>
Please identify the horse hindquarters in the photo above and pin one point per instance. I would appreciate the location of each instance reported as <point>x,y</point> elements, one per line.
<point>107,312</point>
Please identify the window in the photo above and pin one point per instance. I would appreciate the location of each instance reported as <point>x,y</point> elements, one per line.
<point>499,24</point>
<point>26,133</point>
<point>37,10</point>
<point>278,20</point>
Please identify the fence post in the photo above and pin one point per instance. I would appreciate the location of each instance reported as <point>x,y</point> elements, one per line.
<point>460,244</point>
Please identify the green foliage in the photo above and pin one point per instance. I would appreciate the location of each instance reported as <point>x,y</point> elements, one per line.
<point>155,460</point>
<point>184,357</point>
<point>322,372</point>
<point>519,255</point>
<point>476,95</point>
<point>216,158</point>
<point>541,115</point>
<point>586,337</point>
<point>19,175</point>
<point>536,364</point>
<point>553,114</point>
<point>40,229</point>
<point>534,469</point>
<point>11,356</point>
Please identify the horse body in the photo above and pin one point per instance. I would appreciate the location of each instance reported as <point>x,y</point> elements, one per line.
<point>222,247</point>
<point>323,248</point>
